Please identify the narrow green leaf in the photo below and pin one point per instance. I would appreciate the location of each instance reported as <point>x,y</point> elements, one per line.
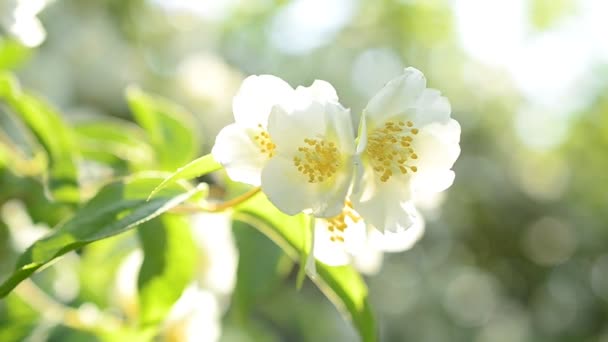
<point>12,53</point>
<point>169,265</point>
<point>116,208</point>
<point>261,268</point>
<point>342,285</point>
<point>22,154</point>
<point>198,167</point>
<point>54,135</point>
<point>169,128</point>
<point>109,140</point>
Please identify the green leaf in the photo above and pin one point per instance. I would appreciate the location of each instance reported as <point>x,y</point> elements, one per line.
<point>342,285</point>
<point>170,256</point>
<point>54,135</point>
<point>109,140</point>
<point>117,207</point>
<point>12,53</point>
<point>198,167</point>
<point>261,267</point>
<point>18,147</point>
<point>168,126</point>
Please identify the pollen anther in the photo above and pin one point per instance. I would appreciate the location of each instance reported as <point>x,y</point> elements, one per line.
<point>390,149</point>
<point>337,225</point>
<point>318,159</point>
<point>265,144</point>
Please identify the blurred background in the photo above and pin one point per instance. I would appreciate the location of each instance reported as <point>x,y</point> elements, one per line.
<point>515,250</point>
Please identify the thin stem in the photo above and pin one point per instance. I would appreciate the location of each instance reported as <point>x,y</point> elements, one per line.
<point>215,208</point>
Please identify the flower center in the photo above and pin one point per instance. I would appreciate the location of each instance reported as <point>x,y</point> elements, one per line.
<point>317,159</point>
<point>264,142</point>
<point>337,224</point>
<point>389,148</point>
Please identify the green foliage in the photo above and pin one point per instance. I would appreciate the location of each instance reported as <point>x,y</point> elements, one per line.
<point>12,53</point>
<point>119,206</point>
<point>169,265</point>
<point>52,133</point>
<point>198,167</point>
<point>342,285</point>
<point>112,141</point>
<point>261,266</point>
<point>168,128</point>
<point>18,148</point>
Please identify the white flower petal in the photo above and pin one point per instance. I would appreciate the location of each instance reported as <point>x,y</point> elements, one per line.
<point>289,190</point>
<point>438,148</point>
<point>339,119</point>
<point>383,205</point>
<point>319,91</point>
<point>235,149</point>
<point>335,252</point>
<point>398,96</point>
<point>289,129</point>
<point>368,261</point>
<point>328,252</point>
<point>398,241</point>
<point>431,107</point>
<point>256,97</point>
<point>283,185</point>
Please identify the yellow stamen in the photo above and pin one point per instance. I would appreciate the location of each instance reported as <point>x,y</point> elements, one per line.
<point>337,225</point>
<point>318,160</point>
<point>264,142</point>
<point>390,149</point>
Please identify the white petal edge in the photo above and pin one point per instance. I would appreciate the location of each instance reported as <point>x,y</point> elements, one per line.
<point>319,91</point>
<point>437,146</point>
<point>239,154</point>
<point>335,253</point>
<point>289,129</point>
<point>430,107</point>
<point>256,97</point>
<point>399,241</point>
<point>383,205</point>
<point>399,95</point>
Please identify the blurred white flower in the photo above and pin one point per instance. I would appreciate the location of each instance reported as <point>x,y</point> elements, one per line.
<point>196,316</point>
<point>124,294</point>
<point>23,232</point>
<point>312,167</point>
<point>407,145</point>
<point>346,239</point>
<point>213,236</point>
<point>18,17</point>
<point>338,238</point>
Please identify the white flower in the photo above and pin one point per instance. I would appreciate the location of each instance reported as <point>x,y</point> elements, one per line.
<point>338,238</point>
<point>313,164</point>
<point>219,255</point>
<point>18,17</point>
<point>196,316</point>
<point>346,239</point>
<point>407,144</point>
<point>245,146</point>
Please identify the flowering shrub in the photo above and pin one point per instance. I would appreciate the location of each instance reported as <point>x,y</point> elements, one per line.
<point>327,193</point>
